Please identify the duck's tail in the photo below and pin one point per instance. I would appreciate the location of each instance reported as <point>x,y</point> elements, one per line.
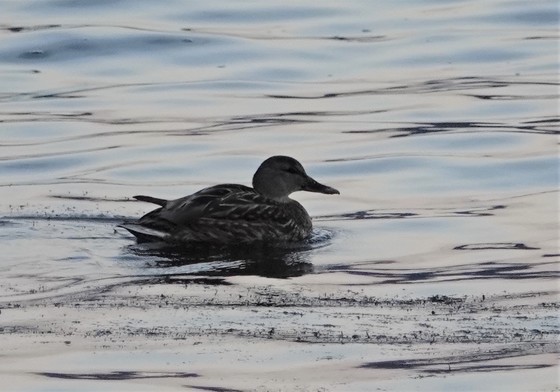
<point>150,199</point>
<point>143,233</point>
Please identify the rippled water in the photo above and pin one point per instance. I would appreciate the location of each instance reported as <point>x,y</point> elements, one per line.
<point>437,121</point>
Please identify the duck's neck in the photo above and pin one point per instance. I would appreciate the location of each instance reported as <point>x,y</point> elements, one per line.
<point>283,199</point>
<point>276,198</point>
<point>274,191</point>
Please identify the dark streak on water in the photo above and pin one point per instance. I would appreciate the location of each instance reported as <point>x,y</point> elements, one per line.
<point>482,271</point>
<point>117,376</point>
<point>460,364</point>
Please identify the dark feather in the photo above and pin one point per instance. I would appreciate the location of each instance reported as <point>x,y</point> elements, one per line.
<point>150,199</point>
<point>225,213</point>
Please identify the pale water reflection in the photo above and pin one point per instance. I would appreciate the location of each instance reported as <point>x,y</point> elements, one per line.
<point>436,267</point>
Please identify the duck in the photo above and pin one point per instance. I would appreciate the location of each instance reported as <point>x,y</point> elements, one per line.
<point>229,214</point>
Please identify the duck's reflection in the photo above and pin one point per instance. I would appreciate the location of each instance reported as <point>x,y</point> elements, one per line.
<point>261,260</point>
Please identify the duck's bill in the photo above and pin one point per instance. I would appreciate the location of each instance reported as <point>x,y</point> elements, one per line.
<point>314,186</point>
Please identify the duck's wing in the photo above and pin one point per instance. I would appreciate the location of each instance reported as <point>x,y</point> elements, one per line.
<point>244,205</point>
<point>223,213</point>
<point>172,214</point>
<point>226,202</point>
<point>248,216</point>
<point>203,203</point>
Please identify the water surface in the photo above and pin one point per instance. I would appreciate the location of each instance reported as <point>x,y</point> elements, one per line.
<point>435,269</point>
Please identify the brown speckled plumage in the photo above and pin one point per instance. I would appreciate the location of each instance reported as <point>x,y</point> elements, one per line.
<point>232,213</point>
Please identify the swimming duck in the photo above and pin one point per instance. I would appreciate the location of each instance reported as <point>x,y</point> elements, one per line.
<point>233,213</point>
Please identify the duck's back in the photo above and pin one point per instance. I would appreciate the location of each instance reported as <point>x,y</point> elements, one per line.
<point>223,214</point>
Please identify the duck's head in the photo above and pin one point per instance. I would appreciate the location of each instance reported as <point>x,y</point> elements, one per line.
<point>279,176</point>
